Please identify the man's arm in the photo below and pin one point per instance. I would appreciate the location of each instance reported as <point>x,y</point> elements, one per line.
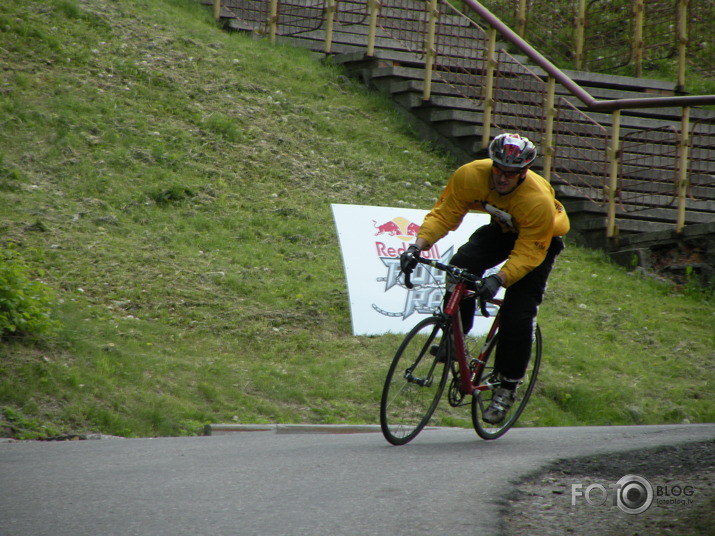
<point>422,244</point>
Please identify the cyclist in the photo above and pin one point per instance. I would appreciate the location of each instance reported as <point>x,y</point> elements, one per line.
<point>526,229</point>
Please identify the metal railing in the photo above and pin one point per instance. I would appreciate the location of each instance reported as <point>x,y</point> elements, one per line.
<point>579,144</point>
<point>701,183</point>
<point>648,168</point>
<point>590,35</point>
<point>643,169</point>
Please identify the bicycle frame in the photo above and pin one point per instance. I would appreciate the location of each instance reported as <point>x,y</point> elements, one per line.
<point>452,310</point>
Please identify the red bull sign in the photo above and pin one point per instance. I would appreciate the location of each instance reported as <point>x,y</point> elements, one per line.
<point>372,240</point>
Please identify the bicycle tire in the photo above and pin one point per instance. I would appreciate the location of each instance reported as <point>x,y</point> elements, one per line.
<point>415,381</point>
<point>480,401</point>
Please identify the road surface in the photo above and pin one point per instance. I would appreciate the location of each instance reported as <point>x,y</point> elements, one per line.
<point>446,481</point>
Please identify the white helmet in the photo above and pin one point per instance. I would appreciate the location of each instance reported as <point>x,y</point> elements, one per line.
<point>512,151</point>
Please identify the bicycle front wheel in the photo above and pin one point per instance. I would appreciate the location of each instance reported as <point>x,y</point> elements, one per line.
<point>415,381</point>
<point>481,401</point>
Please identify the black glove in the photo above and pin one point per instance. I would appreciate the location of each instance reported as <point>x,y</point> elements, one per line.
<point>408,259</point>
<point>489,288</point>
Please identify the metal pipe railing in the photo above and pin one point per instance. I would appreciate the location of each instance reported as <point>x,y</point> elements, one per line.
<point>638,43</point>
<point>580,34</point>
<point>547,144</point>
<point>329,24</point>
<point>430,50</point>
<point>611,230</point>
<point>489,92</point>
<point>590,34</point>
<point>572,87</point>
<point>683,169</point>
<point>682,42</point>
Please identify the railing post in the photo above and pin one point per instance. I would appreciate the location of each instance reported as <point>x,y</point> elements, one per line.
<point>329,20</point>
<point>580,34</point>
<point>430,51</point>
<point>373,5</point>
<point>217,9</point>
<point>548,142</point>
<point>521,19</point>
<point>683,168</point>
<point>638,36</point>
<point>682,42</point>
<point>613,154</point>
<point>273,21</point>
<point>489,89</point>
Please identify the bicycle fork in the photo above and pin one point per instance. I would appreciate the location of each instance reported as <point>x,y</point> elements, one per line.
<point>422,382</point>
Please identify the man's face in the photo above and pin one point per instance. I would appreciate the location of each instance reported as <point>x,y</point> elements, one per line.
<point>505,180</point>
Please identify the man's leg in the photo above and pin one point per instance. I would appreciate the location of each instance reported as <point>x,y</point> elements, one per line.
<point>518,317</point>
<point>516,333</point>
<point>487,247</point>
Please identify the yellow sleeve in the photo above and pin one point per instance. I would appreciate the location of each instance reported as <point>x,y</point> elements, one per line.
<point>448,213</point>
<point>529,251</point>
<point>450,209</point>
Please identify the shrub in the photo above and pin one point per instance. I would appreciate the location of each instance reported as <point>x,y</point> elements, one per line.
<point>25,304</point>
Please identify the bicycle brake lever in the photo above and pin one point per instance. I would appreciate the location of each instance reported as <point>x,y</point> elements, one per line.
<point>408,283</point>
<point>483,308</point>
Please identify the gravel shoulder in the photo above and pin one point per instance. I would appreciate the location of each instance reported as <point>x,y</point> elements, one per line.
<point>682,479</point>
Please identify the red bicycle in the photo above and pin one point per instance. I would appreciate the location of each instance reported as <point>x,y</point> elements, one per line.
<point>432,350</point>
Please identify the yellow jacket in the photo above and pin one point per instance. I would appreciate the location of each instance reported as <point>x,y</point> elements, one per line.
<point>531,210</point>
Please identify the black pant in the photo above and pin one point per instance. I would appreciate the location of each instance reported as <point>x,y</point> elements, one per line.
<point>486,248</point>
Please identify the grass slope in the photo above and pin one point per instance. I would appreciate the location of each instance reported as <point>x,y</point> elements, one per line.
<point>172,183</point>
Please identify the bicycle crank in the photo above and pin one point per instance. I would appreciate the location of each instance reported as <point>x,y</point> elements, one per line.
<point>455,395</point>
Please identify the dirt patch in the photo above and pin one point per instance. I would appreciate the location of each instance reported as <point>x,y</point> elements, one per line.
<point>568,496</point>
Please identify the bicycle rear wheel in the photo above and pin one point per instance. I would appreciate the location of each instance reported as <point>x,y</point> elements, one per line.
<point>481,401</point>
<point>415,381</point>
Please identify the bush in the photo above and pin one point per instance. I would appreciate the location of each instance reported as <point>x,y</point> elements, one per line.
<point>25,305</point>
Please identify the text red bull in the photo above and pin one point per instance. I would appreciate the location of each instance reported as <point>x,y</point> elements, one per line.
<point>383,250</point>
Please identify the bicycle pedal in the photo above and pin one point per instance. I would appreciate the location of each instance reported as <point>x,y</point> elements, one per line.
<point>493,381</point>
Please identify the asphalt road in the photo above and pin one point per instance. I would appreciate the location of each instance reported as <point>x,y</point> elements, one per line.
<point>276,484</point>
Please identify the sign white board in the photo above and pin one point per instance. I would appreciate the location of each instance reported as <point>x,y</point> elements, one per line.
<point>371,241</point>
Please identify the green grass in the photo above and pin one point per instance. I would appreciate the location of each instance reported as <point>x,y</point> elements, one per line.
<point>172,184</point>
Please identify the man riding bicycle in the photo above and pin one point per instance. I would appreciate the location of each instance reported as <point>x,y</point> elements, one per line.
<point>526,230</point>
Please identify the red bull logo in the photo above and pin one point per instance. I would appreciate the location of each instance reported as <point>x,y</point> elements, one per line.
<point>404,230</point>
<point>390,228</point>
<point>400,227</point>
